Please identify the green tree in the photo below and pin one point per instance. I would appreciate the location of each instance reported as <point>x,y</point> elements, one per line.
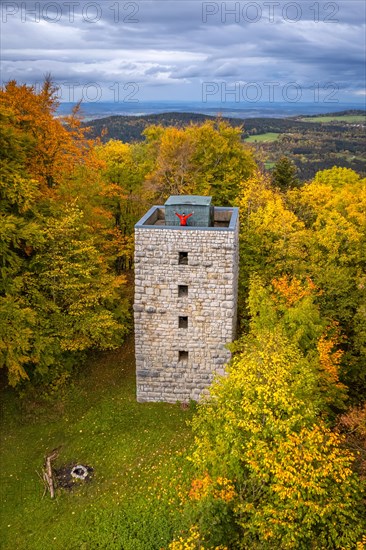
<point>284,174</point>
<point>77,300</point>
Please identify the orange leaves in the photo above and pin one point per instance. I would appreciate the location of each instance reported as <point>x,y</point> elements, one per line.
<point>219,488</point>
<point>291,289</point>
<point>329,358</point>
<point>56,148</point>
<point>113,190</point>
<point>200,487</point>
<point>329,363</point>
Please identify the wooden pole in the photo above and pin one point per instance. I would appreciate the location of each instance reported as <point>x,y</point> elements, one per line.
<point>47,472</point>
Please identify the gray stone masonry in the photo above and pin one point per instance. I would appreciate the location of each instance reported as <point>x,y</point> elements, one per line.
<point>207,313</point>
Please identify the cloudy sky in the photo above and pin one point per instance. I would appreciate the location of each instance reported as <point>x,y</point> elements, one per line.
<point>189,50</point>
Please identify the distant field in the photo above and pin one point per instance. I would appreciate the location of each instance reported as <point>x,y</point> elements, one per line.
<point>269,136</point>
<point>330,118</point>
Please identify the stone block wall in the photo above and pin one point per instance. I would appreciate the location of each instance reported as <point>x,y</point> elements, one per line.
<point>185,313</point>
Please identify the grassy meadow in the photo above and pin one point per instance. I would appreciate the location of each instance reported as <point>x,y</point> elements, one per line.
<point>269,136</point>
<point>135,450</point>
<point>335,118</point>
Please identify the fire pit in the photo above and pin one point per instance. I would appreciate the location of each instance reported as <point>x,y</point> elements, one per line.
<point>80,472</point>
<point>71,475</point>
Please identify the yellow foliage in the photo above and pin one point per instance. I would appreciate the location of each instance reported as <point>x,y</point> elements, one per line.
<point>206,159</point>
<point>193,541</point>
<point>226,490</point>
<point>362,544</point>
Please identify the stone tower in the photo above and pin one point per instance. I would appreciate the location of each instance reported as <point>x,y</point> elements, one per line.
<point>186,282</point>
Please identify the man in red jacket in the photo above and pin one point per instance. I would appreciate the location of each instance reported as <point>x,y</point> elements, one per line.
<point>183,217</point>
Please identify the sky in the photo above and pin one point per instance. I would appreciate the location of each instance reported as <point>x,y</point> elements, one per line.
<point>241,52</point>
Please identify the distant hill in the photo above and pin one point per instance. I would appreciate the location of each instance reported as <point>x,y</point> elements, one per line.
<point>312,143</point>
<point>130,128</point>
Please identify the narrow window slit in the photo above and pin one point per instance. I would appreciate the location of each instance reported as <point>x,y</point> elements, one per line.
<point>183,258</point>
<point>183,356</point>
<point>182,291</point>
<point>182,322</point>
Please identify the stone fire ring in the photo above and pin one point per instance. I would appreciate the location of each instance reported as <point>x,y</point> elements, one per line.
<point>79,472</point>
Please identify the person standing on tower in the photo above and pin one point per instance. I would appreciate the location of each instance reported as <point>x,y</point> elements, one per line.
<point>183,217</point>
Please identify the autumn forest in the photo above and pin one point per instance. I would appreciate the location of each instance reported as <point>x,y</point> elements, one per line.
<point>275,458</point>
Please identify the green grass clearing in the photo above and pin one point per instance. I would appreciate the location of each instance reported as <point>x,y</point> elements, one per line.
<point>134,450</point>
<point>335,118</point>
<point>269,136</point>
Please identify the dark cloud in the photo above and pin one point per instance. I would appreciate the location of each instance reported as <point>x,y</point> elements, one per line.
<point>179,45</point>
